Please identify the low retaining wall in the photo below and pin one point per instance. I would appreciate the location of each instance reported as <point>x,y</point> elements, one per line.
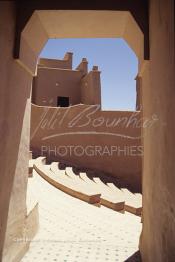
<point>84,136</point>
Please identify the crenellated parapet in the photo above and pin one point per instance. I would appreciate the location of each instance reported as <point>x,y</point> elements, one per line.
<point>65,63</point>
<point>83,66</point>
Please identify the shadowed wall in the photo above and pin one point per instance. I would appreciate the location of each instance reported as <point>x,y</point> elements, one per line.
<point>112,139</point>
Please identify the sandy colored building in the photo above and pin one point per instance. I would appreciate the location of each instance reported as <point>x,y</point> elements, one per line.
<point>148,27</point>
<point>75,96</point>
<point>57,84</point>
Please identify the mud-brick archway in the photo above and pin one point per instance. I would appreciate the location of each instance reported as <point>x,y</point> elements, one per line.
<point>77,24</point>
<point>158,238</point>
<point>46,24</point>
<point>43,25</point>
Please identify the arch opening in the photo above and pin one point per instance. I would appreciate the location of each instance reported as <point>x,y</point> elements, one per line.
<point>88,24</point>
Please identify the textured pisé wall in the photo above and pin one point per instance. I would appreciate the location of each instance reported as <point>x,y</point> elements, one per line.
<point>158,236</point>
<point>15,87</point>
<point>85,136</point>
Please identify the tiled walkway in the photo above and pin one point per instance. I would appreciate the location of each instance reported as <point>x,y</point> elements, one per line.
<point>74,231</point>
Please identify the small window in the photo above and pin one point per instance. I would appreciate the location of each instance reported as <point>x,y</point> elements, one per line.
<point>62,101</point>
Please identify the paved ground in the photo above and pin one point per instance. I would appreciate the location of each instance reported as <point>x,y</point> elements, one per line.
<point>74,231</point>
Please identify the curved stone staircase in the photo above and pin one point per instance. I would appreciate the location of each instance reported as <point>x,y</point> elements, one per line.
<point>92,191</point>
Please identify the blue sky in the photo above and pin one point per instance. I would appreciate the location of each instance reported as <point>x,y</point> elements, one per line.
<point>116,61</point>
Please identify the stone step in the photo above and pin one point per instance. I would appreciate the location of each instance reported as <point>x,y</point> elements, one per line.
<point>108,198</point>
<point>62,182</point>
<point>133,202</point>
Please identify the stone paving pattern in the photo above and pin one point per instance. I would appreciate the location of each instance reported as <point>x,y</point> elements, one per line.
<point>73,231</point>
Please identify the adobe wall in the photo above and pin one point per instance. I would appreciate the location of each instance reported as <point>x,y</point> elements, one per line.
<point>51,83</point>
<point>91,88</point>
<point>79,85</point>
<point>15,87</point>
<point>158,86</point>
<point>82,126</point>
<point>66,63</point>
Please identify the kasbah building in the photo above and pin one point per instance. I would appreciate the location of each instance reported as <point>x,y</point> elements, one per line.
<point>78,183</point>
